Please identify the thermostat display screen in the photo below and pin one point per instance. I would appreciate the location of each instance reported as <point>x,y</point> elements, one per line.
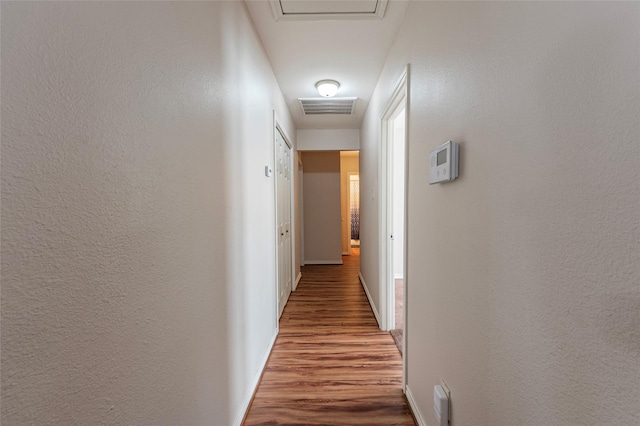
<point>443,163</point>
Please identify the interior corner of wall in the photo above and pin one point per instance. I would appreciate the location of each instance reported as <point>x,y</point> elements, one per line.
<point>373,306</point>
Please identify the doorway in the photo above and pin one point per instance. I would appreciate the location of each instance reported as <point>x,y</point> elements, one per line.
<point>393,215</point>
<point>354,210</point>
<point>397,213</point>
<point>350,200</point>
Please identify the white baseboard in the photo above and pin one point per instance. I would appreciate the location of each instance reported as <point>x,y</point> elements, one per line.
<point>398,277</point>
<point>323,262</point>
<point>298,278</point>
<point>255,382</point>
<point>373,307</point>
<point>414,407</point>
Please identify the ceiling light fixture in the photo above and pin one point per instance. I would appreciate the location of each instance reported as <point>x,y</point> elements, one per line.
<point>327,88</point>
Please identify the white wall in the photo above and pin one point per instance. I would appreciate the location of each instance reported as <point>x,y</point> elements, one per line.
<point>134,140</point>
<point>522,274</point>
<point>322,230</point>
<point>328,139</point>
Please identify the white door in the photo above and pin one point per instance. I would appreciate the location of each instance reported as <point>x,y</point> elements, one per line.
<point>283,218</point>
<point>396,189</point>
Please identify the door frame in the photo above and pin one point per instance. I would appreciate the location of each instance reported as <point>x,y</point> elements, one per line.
<point>399,97</point>
<point>349,174</point>
<point>278,127</point>
<point>300,221</point>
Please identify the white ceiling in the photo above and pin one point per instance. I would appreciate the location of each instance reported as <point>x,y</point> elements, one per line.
<point>346,48</point>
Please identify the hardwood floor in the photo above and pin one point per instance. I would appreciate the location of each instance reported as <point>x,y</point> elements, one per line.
<point>399,288</point>
<point>331,364</point>
<point>398,332</point>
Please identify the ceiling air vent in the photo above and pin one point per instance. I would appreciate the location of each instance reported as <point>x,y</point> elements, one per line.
<point>314,106</point>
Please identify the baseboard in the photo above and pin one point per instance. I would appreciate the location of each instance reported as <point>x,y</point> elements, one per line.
<point>414,407</point>
<point>373,307</point>
<point>298,278</point>
<point>323,262</point>
<point>244,410</point>
<point>398,277</point>
<point>345,253</point>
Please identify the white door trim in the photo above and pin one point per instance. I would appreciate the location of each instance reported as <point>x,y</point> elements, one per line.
<point>387,308</point>
<point>300,208</point>
<point>386,272</point>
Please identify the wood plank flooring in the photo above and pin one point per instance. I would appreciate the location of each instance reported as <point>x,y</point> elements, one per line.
<point>399,288</point>
<point>331,364</point>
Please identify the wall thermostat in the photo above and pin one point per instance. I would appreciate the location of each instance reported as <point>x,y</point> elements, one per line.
<point>443,163</point>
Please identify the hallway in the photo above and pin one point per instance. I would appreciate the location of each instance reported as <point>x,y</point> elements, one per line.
<point>331,364</point>
<point>139,199</point>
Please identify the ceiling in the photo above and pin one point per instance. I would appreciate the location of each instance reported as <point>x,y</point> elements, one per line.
<point>312,40</point>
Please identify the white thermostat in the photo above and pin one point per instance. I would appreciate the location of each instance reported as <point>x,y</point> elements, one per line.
<point>443,163</point>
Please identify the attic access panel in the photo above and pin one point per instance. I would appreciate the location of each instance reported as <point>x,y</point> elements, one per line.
<point>328,6</point>
<point>327,9</point>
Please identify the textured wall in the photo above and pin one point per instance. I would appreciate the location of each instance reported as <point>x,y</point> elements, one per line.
<point>524,274</point>
<point>138,284</point>
<point>328,139</point>
<point>322,236</point>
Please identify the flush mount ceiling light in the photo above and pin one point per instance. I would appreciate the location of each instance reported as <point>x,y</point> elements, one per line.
<point>327,88</point>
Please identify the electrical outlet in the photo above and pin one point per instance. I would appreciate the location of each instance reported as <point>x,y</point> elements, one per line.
<point>448,392</point>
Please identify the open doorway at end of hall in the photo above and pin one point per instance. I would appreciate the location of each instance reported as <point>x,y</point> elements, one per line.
<point>350,201</point>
